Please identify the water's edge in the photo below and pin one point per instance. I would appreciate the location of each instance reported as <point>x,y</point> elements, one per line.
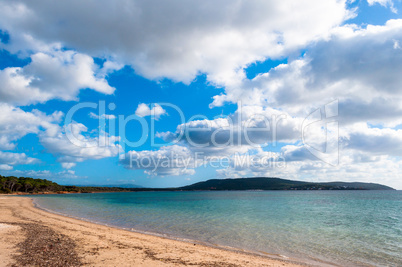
<point>307,262</point>
<point>317,228</point>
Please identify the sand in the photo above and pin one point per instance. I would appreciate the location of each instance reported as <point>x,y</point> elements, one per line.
<point>30,236</point>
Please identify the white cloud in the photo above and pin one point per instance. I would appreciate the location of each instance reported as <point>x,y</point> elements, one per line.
<point>143,110</point>
<point>365,154</point>
<point>103,116</point>
<point>167,161</point>
<point>345,67</point>
<point>250,127</point>
<point>180,39</point>
<point>218,140</point>
<point>9,159</point>
<point>16,123</point>
<point>384,3</point>
<point>68,165</point>
<point>373,141</point>
<point>74,144</point>
<point>176,39</point>
<point>396,44</point>
<point>5,167</point>
<point>297,153</point>
<point>52,75</point>
<point>295,163</point>
<point>383,170</point>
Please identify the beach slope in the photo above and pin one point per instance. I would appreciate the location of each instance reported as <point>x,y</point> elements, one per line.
<point>30,236</point>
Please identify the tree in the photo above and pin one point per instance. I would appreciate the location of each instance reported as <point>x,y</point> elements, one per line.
<point>27,185</point>
<point>11,182</point>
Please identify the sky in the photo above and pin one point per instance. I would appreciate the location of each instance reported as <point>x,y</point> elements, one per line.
<point>168,93</point>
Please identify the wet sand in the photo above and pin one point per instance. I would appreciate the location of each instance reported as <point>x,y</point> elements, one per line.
<point>31,236</point>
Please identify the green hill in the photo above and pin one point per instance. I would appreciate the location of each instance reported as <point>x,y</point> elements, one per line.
<point>13,184</point>
<point>263,183</point>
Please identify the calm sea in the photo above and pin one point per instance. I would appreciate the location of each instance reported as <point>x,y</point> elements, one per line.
<point>353,228</point>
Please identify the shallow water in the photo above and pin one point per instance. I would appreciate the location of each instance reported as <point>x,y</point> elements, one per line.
<point>359,228</point>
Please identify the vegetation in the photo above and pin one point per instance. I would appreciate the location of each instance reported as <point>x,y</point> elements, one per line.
<point>264,183</point>
<point>13,184</point>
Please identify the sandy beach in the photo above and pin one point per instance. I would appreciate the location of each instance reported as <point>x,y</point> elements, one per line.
<point>31,236</point>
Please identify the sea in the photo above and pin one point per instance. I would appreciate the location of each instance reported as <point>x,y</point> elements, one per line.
<point>346,228</point>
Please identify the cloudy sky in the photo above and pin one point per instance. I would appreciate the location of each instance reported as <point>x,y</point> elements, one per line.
<point>168,93</point>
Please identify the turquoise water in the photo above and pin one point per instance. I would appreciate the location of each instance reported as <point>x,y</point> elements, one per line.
<point>354,228</point>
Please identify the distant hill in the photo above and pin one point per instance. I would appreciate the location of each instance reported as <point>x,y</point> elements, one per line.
<point>263,183</point>
<point>28,185</point>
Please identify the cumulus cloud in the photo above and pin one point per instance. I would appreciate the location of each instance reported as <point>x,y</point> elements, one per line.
<point>167,161</point>
<point>296,162</point>
<point>354,166</point>
<point>144,110</point>
<point>344,67</point>
<point>9,159</point>
<point>220,140</point>
<point>68,165</point>
<point>5,167</point>
<point>365,154</point>
<point>16,123</point>
<point>71,146</point>
<point>176,39</point>
<point>248,128</point>
<point>374,141</point>
<point>54,75</point>
<point>384,3</point>
<point>74,144</point>
<point>358,67</point>
<point>383,170</point>
<point>103,116</point>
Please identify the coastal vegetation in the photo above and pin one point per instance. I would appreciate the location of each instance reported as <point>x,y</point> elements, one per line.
<point>264,183</point>
<point>12,184</point>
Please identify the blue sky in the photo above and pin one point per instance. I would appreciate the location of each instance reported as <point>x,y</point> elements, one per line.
<point>194,90</point>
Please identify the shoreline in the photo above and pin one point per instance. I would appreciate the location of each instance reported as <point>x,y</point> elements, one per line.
<point>270,256</point>
<point>102,245</point>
